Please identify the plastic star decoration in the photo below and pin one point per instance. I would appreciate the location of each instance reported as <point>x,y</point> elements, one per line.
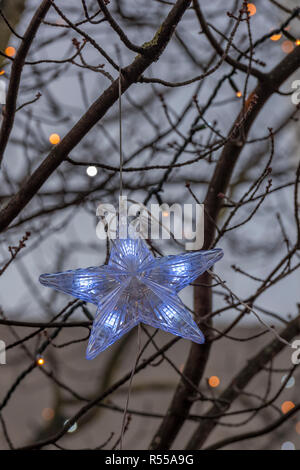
<point>136,288</point>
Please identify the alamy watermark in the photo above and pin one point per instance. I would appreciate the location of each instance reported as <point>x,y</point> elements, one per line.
<point>2,352</point>
<point>296,94</point>
<point>296,354</point>
<point>180,222</point>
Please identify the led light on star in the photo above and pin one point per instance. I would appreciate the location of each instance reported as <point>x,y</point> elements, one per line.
<point>91,171</point>
<point>179,269</point>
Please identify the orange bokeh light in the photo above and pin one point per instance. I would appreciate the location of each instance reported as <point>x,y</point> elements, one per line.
<point>287,46</point>
<point>297,42</point>
<point>287,406</point>
<point>47,414</point>
<point>276,37</point>
<point>2,72</point>
<point>214,381</point>
<point>54,139</point>
<point>239,94</point>
<point>41,361</point>
<point>251,9</point>
<point>10,51</point>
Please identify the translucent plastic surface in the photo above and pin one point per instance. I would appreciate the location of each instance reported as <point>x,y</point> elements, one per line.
<point>136,287</point>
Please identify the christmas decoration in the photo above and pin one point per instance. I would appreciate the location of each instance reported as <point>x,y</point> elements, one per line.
<point>136,288</point>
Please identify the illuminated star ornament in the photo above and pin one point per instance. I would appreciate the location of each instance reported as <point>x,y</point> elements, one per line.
<point>134,287</point>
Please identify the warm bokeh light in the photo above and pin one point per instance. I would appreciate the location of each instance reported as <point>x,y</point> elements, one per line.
<point>91,171</point>
<point>48,414</point>
<point>290,383</point>
<point>287,46</point>
<point>2,72</point>
<point>40,361</point>
<point>214,381</point>
<point>276,37</point>
<point>73,428</point>
<point>297,42</point>
<point>54,139</point>
<point>10,51</point>
<point>287,406</point>
<point>239,94</point>
<point>165,214</point>
<point>288,446</point>
<point>251,8</point>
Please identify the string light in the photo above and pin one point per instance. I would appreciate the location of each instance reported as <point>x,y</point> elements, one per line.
<point>2,72</point>
<point>288,446</point>
<point>40,361</point>
<point>287,46</point>
<point>297,42</point>
<point>297,427</point>
<point>214,381</point>
<point>54,139</point>
<point>287,406</point>
<point>91,171</point>
<point>239,94</point>
<point>73,428</point>
<point>251,8</point>
<point>48,414</point>
<point>10,51</point>
<point>276,37</point>
<point>290,383</point>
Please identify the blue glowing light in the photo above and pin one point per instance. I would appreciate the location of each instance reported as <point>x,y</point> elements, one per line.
<point>136,288</point>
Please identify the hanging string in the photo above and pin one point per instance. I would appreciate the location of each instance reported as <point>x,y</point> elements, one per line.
<point>130,385</point>
<point>120,131</point>
<point>139,327</point>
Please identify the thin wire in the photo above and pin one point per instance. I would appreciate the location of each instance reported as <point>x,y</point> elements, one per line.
<point>130,385</point>
<point>139,326</point>
<point>120,131</point>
